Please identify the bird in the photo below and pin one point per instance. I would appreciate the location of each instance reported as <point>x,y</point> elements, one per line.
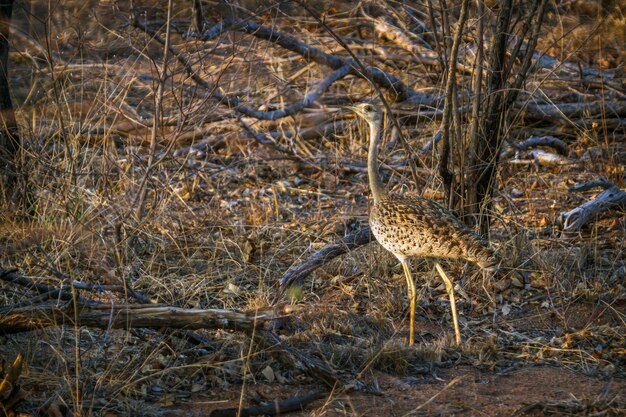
<point>412,226</point>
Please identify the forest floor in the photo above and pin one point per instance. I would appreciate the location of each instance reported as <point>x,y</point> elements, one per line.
<point>226,215</point>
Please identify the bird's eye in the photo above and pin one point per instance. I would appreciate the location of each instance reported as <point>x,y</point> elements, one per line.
<point>368,107</point>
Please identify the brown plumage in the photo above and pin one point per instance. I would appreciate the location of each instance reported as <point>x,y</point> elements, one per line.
<point>416,226</point>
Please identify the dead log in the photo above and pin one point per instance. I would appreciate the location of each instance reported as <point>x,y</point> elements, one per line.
<point>296,274</point>
<point>127,316</point>
<point>549,141</point>
<point>572,221</point>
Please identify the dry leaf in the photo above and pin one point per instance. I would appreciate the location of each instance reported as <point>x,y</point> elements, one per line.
<point>268,373</point>
<point>516,282</point>
<point>502,284</point>
<point>232,289</point>
<point>506,309</point>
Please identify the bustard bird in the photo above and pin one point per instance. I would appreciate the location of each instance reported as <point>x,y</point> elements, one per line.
<point>416,226</point>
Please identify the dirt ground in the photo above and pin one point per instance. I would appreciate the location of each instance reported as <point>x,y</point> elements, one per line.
<point>457,391</point>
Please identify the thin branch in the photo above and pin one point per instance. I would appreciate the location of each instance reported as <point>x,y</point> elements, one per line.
<point>234,103</point>
<point>520,76</point>
<point>310,53</point>
<point>444,170</point>
<point>138,204</point>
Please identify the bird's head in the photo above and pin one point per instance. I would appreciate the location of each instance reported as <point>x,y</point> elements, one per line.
<point>369,111</point>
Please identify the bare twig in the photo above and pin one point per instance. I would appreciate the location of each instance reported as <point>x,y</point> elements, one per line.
<point>197,16</point>
<point>549,141</point>
<point>310,53</point>
<point>157,121</point>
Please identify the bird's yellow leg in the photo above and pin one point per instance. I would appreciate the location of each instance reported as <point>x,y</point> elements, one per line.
<point>412,298</point>
<point>487,285</point>
<point>450,290</point>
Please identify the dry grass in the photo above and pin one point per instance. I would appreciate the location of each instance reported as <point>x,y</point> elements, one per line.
<point>224,224</point>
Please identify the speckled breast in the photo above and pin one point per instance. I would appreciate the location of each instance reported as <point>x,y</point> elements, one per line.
<point>393,238</point>
<point>397,232</point>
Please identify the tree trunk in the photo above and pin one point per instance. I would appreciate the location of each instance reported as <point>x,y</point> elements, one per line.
<point>509,59</point>
<point>9,135</point>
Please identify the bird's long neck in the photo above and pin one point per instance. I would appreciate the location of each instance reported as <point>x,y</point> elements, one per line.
<point>376,185</point>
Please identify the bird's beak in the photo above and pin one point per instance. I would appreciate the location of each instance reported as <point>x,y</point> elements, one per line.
<point>351,109</point>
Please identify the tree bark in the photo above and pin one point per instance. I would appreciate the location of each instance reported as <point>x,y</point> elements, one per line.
<point>491,135</point>
<point>504,82</point>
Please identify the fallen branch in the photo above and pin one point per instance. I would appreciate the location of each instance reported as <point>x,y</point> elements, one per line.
<point>10,275</point>
<point>534,142</point>
<point>17,319</point>
<point>563,112</point>
<point>572,221</point>
<point>599,182</point>
<point>296,274</point>
<point>127,316</point>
